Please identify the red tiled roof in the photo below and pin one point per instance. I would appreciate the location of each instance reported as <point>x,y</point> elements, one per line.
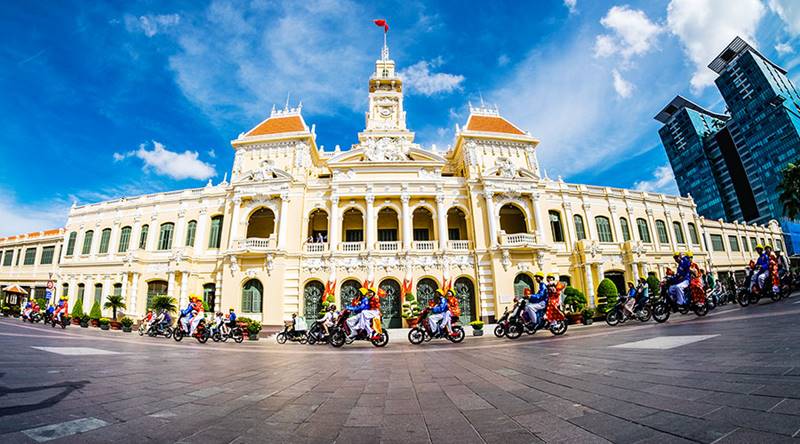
<point>278,125</point>
<point>492,124</point>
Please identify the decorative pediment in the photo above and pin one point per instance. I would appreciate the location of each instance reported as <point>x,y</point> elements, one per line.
<point>361,153</point>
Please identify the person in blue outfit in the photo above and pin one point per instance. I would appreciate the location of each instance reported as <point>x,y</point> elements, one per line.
<point>537,301</point>
<point>438,311</point>
<point>681,279</point>
<point>186,313</point>
<point>357,321</point>
<point>761,270</point>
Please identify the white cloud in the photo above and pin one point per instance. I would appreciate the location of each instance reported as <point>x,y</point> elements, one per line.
<point>178,166</point>
<point>789,12</point>
<point>212,154</point>
<point>663,181</point>
<point>419,79</point>
<point>784,48</point>
<point>151,25</point>
<point>21,218</point>
<point>705,27</point>
<point>623,87</point>
<point>572,5</point>
<point>632,33</point>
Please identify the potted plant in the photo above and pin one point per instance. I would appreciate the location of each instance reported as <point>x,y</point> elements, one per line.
<point>127,324</point>
<point>77,312</point>
<point>84,321</point>
<point>411,310</point>
<point>574,303</point>
<point>6,309</point>
<point>114,301</point>
<point>104,323</point>
<point>608,292</point>
<point>95,314</point>
<point>588,314</point>
<point>477,328</point>
<point>253,329</point>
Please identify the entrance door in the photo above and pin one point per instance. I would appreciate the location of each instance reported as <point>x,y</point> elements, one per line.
<point>465,292</point>
<point>425,290</point>
<point>312,300</point>
<point>390,304</point>
<point>348,291</point>
<point>618,278</point>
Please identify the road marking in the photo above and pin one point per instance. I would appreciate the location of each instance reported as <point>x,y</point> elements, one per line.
<point>76,351</point>
<point>664,342</point>
<point>60,430</point>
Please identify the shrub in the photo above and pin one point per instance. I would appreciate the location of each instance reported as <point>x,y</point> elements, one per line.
<point>608,291</point>
<point>164,303</point>
<point>114,302</point>
<point>126,322</point>
<point>574,300</point>
<point>245,321</point>
<point>327,301</point>
<point>411,307</point>
<point>653,285</point>
<point>254,327</point>
<point>588,313</point>
<point>95,314</point>
<point>41,302</point>
<point>84,318</point>
<point>105,321</point>
<point>77,309</point>
<point>477,325</point>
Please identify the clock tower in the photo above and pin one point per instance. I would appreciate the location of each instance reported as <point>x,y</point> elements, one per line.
<point>385,116</point>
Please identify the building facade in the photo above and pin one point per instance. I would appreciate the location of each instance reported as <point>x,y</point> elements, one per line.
<point>731,164</point>
<point>294,219</point>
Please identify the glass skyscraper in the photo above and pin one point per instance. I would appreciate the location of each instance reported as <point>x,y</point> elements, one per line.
<point>731,164</point>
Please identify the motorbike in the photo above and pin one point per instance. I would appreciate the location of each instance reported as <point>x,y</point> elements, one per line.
<point>202,333</point>
<point>316,334</point>
<point>340,333</point>
<point>502,322</point>
<point>33,318</point>
<point>518,323</point>
<point>422,331</point>
<point>63,322</point>
<point>236,333</point>
<point>617,314</point>
<point>291,335</point>
<point>47,317</point>
<point>663,306</point>
<point>158,329</point>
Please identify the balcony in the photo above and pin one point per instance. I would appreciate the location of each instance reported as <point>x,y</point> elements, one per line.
<point>316,247</point>
<point>255,244</point>
<point>458,245</point>
<point>351,247</point>
<point>423,245</point>
<point>388,246</point>
<point>518,239</point>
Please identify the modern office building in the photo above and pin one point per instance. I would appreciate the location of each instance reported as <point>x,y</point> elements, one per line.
<point>731,163</point>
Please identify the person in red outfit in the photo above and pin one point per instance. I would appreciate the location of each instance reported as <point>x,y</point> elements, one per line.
<point>554,290</point>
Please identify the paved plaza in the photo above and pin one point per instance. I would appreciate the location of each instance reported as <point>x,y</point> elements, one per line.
<point>733,376</point>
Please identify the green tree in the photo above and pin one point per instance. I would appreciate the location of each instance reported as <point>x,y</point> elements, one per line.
<point>653,284</point>
<point>114,302</point>
<point>164,303</point>
<point>77,309</point>
<point>95,314</point>
<point>609,291</point>
<point>574,299</point>
<point>789,189</point>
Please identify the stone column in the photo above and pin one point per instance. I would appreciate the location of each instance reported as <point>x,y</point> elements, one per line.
<point>184,285</point>
<point>200,239</point>
<point>591,227</point>
<point>651,221</point>
<point>615,225</point>
<point>335,224</point>
<point>134,292</point>
<point>171,284</point>
<point>106,289</point>
<point>154,233</point>
<point>237,204</point>
<point>136,232</point>
<point>95,246</point>
<point>113,244</point>
<point>570,236</point>
<point>671,232</point>
<point>124,292</point>
<point>492,218</point>
<point>635,269</point>
<point>589,285</point>
<point>370,222</point>
<point>407,231</point>
<point>284,221</point>
<point>179,239</point>
<point>441,216</point>
<point>538,218</point>
<point>218,291</point>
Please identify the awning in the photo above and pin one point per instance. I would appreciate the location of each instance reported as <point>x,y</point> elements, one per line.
<point>15,289</point>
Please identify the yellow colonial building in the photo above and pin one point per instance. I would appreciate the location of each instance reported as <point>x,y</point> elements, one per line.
<point>294,217</point>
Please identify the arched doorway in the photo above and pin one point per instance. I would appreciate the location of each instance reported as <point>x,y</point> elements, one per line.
<point>388,225</point>
<point>422,221</point>
<point>512,219</point>
<point>353,225</point>
<point>261,224</point>
<point>391,304</point>
<point>154,288</point>
<point>348,291</point>
<point>618,278</point>
<point>457,224</point>
<point>521,282</point>
<point>465,292</point>
<point>252,296</point>
<point>210,296</point>
<point>318,226</point>
<point>426,287</point>
<point>312,300</point>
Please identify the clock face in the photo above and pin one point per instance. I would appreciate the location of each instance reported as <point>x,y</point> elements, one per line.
<point>385,111</point>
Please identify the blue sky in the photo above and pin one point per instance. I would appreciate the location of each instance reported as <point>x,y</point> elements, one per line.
<point>99,101</point>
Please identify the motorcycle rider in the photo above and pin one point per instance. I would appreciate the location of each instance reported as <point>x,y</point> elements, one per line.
<point>773,269</point>
<point>554,289</point>
<point>761,270</point>
<point>163,320</point>
<point>439,311</point>
<point>328,319</point>
<point>372,315</point>
<point>26,312</point>
<point>680,281</point>
<point>630,300</point>
<point>231,318</point>
<point>187,313</point>
<point>536,301</point>
<point>356,320</point>
<point>783,266</point>
<point>49,311</point>
<point>61,310</point>
<point>642,294</point>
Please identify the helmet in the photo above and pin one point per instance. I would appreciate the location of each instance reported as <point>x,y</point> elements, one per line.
<point>363,290</point>
<point>374,290</point>
<point>689,253</point>
<point>440,291</point>
<point>768,246</point>
<point>552,275</point>
<point>332,307</point>
<point>759,247</point>
<point>230,309</point>
<point>676,253</point>
<point>539,274</point>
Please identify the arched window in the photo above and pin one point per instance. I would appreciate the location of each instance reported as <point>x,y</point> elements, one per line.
<point>143,237</point>
<point>261,224</point>
<point>465,292</point>
<point>353,225</point>
<point>65,289</point>
<point>426,287</point>
<point>580,230</point>
<point>156,288</point>
<point>422,223</point>
<point>81,293</point>
<point>388,225</point>
<point>210,295</point>
<point>457,224</point>
<point>105,238</point>
<point>555,226</point>
<point>604,229</point>
<point>98,293</point>
<point>191,229</point>
<point>521,282</point>
<point>87,242</point>
<point>512,219</point>
<point>312,299</point>
<point>694,237</point>
<point>626,230</point>
<point>661,229</point>
<point>252,293</point>
<point>165,236</point>
<point>124,240</point>
<point>644,231</point>
<point>318,225</point>
<point>676,227</point>
<point>71,243</point>
<point>117,289</point>
<point>215,234</point>
<point>348,291</point>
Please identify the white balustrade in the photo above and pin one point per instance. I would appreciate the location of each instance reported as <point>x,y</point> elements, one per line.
<point>316,247</point>
<point>424,245</point>
<point>388,246</point>
<point>518,239</point>
<point>255,243</point>
<point>458,244</point>
<point>352,246</point>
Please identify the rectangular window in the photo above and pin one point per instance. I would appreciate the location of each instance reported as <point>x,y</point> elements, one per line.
<point>644,231</point>
<point>733,241</point>
<point>105,238</point>
<point>354,236</point>
<point>215,235</point>
<point>555,226</point>
<point>143,237</point>
<point>604,229</point>
<point>676,226</point>
<point>47,255</point>
<point>421,234</point>
<point>117,290</point>
<point>386,235</point>
<point>165,237</point>
<point>716,242</point>
<point>693,236</point>
<point>87,242</point>
<point>661,229</point>
<point>81,292</point>
<point>745,245</point>
<point>124,240</point>
<point>753,243</point>
<point>8,257</point>
<point>580,230</point>
<point>453,234</point>
<point>71,243</point>
<point>626,231</point>
<point>30,256</point>
<point>98,293</point>
<point>191,229</point>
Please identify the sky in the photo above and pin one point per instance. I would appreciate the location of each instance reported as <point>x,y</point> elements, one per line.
<point>100,100</point>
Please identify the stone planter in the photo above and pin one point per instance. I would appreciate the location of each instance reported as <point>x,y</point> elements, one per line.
<point>127,329</point>
<point>412,322</point>
<point>76,321</point>
<point>94,322</point>
<point>84,324</point>
<point>587,321</point>
<point>252,337</point>
<point>477,332</point>
<point>574,318</point>
<point>116,325</point>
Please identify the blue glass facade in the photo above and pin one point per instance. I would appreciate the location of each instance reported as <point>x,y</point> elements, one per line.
<point>741,156</point>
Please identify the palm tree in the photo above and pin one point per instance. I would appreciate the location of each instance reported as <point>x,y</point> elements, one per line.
<point>164,303</point>
<point>114,302</point>
<point>790,190</point>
